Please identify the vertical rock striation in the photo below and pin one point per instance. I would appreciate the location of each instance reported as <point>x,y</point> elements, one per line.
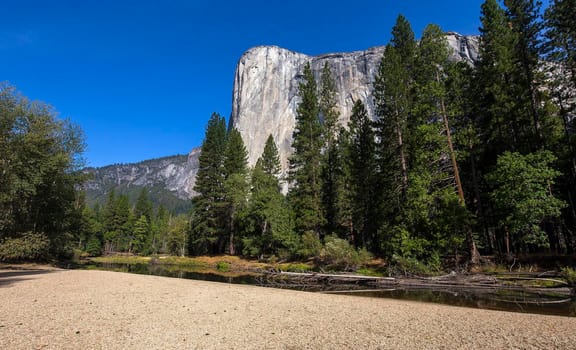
<point>265,94</point>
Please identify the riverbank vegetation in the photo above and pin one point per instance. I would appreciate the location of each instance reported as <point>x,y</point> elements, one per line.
<point>462,161</point>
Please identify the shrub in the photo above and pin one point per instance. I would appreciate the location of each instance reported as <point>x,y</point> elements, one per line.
<point>569,274</point>
<point>338,252</point>
<point>400,265</point>
<point>30,246</point>
<point>223,266</point>
<point>311,245</point>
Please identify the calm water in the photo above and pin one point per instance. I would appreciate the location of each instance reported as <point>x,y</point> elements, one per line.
<point>505,301</point>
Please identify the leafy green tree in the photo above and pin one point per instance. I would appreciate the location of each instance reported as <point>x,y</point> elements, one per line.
<point>305,164</point>
<point>209,204</point>
<point>521,193</point>
<point>177,235</point>
<point>40,162</point>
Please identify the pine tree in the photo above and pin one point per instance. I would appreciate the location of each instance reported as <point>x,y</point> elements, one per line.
<point>235,185</point>
<point>143,205</point>
<point>561,53</point>
<point>437,195</point>
<point>561,36</point>
<point>393,100</point>
<point>330,158</point>
<point>209,207</point>
<point>272,226</point>
<point>363,176</point>
<point>500,126</point>
<point>524,20</point>
<point>305,163</point>
<point>270,159</point>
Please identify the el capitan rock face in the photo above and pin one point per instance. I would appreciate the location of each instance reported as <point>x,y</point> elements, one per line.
<point>265,94</point>
<point>265,98</point>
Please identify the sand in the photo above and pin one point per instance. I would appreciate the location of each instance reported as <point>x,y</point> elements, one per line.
<point>72,309</point>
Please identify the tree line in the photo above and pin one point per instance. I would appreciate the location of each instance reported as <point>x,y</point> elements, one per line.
<point>459,158</point>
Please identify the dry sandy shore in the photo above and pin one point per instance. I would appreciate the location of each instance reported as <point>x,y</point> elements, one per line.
<point>106,310</point>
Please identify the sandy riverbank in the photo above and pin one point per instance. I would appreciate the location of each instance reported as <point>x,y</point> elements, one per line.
<point>42,309</point>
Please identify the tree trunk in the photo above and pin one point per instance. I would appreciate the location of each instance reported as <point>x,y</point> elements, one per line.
<point>472,250</point>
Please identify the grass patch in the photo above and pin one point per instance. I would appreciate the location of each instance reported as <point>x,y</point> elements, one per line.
<point>120,259</point>
<point>367,271</point>
<point>294,267</point>
<point>223,266</point>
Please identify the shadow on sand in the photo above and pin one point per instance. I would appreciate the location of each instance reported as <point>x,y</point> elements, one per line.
<point>10,276</point>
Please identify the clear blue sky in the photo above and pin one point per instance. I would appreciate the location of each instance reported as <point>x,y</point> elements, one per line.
<point>142,77</point>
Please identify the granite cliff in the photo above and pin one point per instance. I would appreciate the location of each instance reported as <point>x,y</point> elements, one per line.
<point>265,93</point>
<point>169,180</point>
<point>264,102</point>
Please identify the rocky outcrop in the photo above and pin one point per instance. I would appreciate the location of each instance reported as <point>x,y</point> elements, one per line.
<point>265,94</point>
<point>170,180</point>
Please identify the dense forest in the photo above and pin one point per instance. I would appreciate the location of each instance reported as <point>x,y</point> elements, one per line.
<point>460,161</point>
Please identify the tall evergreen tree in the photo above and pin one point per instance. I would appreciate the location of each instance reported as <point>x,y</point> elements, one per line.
<point>305,163</point>
<point>330,158</point>
<point>525,22</point>
<point>393,99</point>
<point>209,206</point>
<point>365,212</point>
<point>561,53</point>
<point>270,216</point>
<point>143,205</point>
<point>500,126</point>
<point>235,186</point>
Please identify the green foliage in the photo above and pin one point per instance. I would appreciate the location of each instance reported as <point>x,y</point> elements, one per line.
<point>39,166</point>
<point>305,163</point>
<point>143,205</point>
<point>337,252</point>
<point>27,247</point>
<point>209,206</point>
<point>236,186</point>
<point>94,246</point>
<point>569,274</point>
<point>311,246</point>
<point>407,266</point>
<point>363,178</point>
<point>522,194</point>
<point>176,238</point>
<point>222,266</point>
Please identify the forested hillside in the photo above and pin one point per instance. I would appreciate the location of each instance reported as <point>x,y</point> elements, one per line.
<point>461,159</point>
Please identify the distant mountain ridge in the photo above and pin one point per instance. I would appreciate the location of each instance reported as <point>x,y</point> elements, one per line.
<point>264,102</point>
<point>170,181</point>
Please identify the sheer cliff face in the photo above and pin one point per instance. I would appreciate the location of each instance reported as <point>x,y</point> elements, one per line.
<point>169,180</point>
<point>265,95</point>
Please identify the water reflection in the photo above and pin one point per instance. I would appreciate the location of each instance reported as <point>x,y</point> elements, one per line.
<point>494,300</point>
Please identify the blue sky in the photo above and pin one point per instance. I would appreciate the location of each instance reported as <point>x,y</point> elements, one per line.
<point>142,77</point>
